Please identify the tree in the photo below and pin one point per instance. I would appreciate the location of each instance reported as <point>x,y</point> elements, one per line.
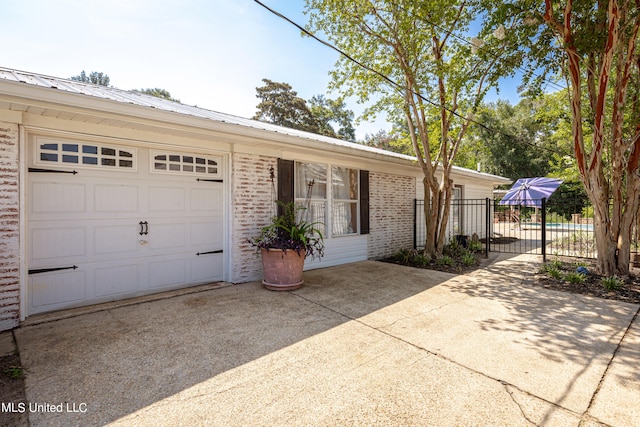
<point>515,139</point>
<point>281,105</point>
<point>326,111</point>
<point>593,44</point>
<point>158,93</point>
<point>96,78</point>
<point>405,54</point>
<point>390,141</point>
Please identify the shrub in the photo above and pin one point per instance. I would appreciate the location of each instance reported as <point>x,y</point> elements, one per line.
<point>575,278</point>
<point>468,259</point>
<point>612,283</point>
<point>445,260</point>
<point>552,271</point>
<point>475,246</point>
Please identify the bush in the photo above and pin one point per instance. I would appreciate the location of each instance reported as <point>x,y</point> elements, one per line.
<point>612,283</point>
<point>575,278</point>
<point>445,260</point>
<point>468,259</point>
<point>552,271</point>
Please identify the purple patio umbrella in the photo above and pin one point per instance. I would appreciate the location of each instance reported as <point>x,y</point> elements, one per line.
<point>530,191</point>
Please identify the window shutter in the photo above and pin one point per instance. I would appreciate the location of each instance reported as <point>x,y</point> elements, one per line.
<point>285,182</point>
<point>364,202</point>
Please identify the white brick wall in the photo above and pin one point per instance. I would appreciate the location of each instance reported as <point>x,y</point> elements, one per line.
<point>252,206</point>
<point>391,200</point>
<point>9,227</point>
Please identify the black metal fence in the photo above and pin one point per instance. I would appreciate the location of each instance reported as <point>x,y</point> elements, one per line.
<point>564,225</point>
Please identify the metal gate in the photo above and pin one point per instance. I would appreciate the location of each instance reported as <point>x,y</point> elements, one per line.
<point>557,228</point>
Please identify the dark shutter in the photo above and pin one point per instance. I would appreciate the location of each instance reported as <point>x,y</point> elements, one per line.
<point>364,202</point>
<point>285,182</point>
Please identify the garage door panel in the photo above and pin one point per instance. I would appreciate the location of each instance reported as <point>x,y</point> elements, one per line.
<point>50,290</point>
<point>58,197</point>
<point>163,236</point>
<point>206,268</point>
<point>207,200</point>
<point>116,198</point>
<point>167,272</point>
<point>60,242</point>
<point>166,199</point>
<point>116,239</point>
<point>207,234</point>
<point>115,280</point>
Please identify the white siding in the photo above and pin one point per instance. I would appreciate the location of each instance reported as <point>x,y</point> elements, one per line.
<point>340,250</point>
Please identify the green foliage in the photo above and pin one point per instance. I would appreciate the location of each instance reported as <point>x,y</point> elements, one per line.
<point>575,278</point>
<point>282,106</point>
<point>96,78</point>
<point>553,270</point>
<point>514,142</point>
<point>612,283</point>
<point>290,231</point>
<point>14,372</point>
<point>326,111</point>
<point>475,246</point>
<point>468,259</point>
<point>445,260</point>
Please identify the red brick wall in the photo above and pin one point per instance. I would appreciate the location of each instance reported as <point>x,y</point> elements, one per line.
<point>253,206</point>
<point>9,227</point>
<point>391,213</point>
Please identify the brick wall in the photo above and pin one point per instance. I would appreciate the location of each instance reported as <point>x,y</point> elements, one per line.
<point>253,207</point>
<point>391,213</point>
<point>9,227</point>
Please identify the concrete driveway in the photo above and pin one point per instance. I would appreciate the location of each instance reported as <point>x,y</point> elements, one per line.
<point>361,344</point>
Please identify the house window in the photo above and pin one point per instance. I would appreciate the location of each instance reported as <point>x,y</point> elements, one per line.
<point>311,192</point>
<point>331,195</point>
<point>344,200</point>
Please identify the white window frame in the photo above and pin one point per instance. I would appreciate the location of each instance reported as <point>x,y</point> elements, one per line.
<point>124,158</point>
<point>328,201</point>
<point>348,202</point>
<point>177,163</point>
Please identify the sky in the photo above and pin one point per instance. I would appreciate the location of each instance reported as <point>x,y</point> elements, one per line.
<point>209,53</point>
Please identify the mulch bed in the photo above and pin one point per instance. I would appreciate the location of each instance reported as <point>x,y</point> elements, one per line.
<point>592,286</point>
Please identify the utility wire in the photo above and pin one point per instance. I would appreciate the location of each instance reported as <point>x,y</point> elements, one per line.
<point>394,83</point>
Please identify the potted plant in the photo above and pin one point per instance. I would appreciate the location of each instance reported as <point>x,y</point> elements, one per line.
<point>284,244</point>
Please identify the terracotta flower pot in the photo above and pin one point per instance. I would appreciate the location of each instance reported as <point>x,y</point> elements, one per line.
<point>282,269</point>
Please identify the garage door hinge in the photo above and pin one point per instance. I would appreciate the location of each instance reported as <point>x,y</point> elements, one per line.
<point>209,180</point>
<point>210,252</point>
<point>48,270</point>
<point>50,171</point>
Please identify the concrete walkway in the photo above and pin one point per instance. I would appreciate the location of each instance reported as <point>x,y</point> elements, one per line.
<point>361,344</point>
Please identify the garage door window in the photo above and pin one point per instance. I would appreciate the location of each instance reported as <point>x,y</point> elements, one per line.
<point>81,154</point>
<point>185,164</point>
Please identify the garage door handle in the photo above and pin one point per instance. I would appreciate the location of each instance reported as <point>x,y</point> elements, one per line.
<point>144,228</point>
<point>49,270</point>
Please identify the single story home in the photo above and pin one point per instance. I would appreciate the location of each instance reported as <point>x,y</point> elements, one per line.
<point>109,194</point>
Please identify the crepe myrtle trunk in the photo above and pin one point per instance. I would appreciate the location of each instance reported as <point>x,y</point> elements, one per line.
<point>436,198</point>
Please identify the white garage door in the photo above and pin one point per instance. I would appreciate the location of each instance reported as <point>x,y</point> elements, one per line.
<point>107,222</point>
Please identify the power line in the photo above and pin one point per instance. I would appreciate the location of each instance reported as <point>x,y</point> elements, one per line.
<point>394,83</point>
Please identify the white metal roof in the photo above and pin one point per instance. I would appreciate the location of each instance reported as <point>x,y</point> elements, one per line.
<point>152,102</point>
